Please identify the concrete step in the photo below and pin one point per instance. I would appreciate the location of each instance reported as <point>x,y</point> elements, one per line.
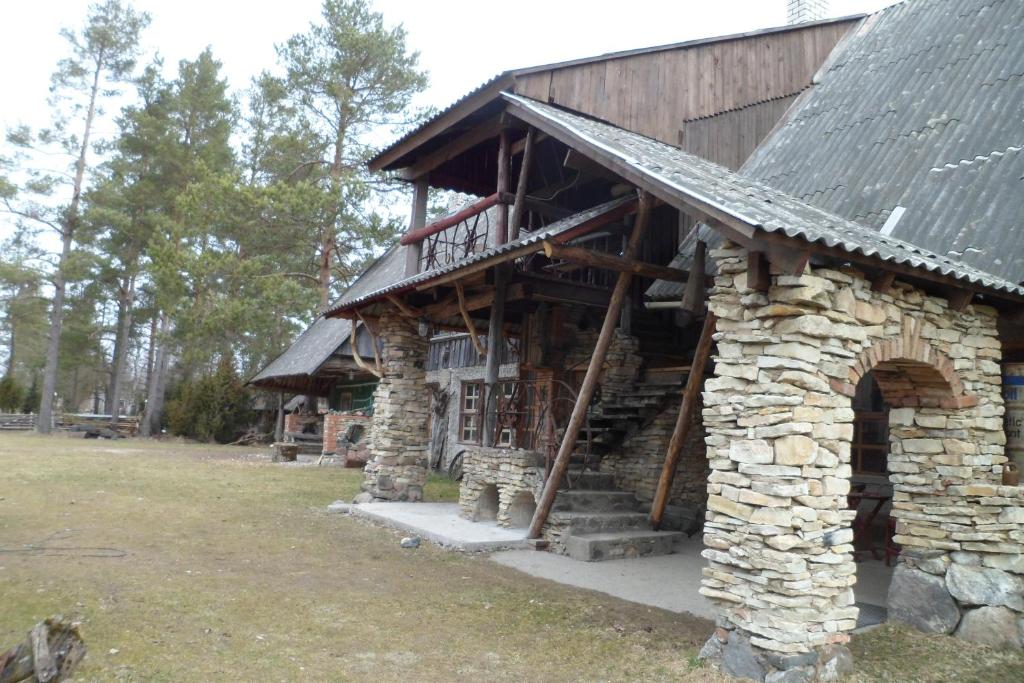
<point>595,501</point>
<point>582,523</point>
<point>621,544</point>
<point>589,481</point>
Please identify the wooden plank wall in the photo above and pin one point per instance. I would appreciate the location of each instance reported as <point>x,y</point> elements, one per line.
<point>729,138</point>
<point>658,93</point>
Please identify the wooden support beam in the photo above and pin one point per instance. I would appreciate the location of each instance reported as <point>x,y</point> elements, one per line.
<point>504,159</point>
<point>586,393</point>
<point>414,236</point>
<point>882,282</point>
<point>471,138</point>
<point>694,294</point>
<point>362,363</point>
<point>494,346</point>
<point>586,166</point>
<point>519,146</point>
<point>404,308</point>
<point>414,250</point>
<point>554,290</point>
<point>599,221</point>
<point>621,264</point>
<point>470,327</point>
<point>373,341</point>
<point>524,179</point>
<point>758,276</point>
<point>959,299</point>
<point>473,301</point>
<point>694,382</point>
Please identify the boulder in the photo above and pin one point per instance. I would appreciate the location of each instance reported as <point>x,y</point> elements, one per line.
<point>834,663</point>
<point>985,586</point>
<point>739,659</point>
<point>921,600</point>
<point>799,675</point>
<point>992,626</point>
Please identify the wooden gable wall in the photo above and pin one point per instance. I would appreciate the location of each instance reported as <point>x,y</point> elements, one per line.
<point>717,100</point>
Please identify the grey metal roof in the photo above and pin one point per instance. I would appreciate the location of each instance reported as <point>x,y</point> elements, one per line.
<point>309,350</point>
<point>921,106</point>
<point>681,178</point>
<point>533,238</point>
<point>327,336</point>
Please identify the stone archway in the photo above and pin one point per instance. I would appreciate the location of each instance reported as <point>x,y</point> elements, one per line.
<point>779,425</point>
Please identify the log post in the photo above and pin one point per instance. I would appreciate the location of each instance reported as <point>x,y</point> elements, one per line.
<point>494,346</point>
<point>524,178</point>
<point>693,294</point>
<point>414,250</point>
<point>470,327</point>
<point>503,183</point>
<point>604,340</point>
<point>694,382</point>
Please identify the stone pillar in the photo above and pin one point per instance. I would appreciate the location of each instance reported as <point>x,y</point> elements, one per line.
<point>397,468</point>
<point>778,419</point>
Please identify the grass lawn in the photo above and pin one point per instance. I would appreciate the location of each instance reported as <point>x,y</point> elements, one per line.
<point>197,563</point>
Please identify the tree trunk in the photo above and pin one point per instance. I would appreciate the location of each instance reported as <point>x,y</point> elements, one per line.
<point>45,423</point>
<point>150,424</point>
<point>126,300</point>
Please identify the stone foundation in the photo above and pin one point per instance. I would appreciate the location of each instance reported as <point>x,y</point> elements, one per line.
<point>397,468</point>
<point>514,477</point>
<point>779,420</point>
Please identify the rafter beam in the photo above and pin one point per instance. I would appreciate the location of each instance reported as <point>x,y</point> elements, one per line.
<point>620,264</point>
<point>471,138</point>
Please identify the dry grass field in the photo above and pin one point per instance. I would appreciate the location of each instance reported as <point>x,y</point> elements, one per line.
<point>189,562</point>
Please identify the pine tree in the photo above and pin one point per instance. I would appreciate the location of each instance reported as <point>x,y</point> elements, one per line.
<point>102,56</point>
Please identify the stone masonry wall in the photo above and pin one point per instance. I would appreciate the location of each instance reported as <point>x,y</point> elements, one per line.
<point>397,468</point>
<point>515,472</point>
<point>638,466</point>
<point>779,424</point>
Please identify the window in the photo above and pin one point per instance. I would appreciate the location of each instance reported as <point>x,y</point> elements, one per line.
<point>472,408</point>
<point>471,412</point>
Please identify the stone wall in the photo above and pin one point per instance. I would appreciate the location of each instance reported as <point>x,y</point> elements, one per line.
<point>397,468</point>
<point>516,473</point>
<point>638,466</point>
<point>779,424</point>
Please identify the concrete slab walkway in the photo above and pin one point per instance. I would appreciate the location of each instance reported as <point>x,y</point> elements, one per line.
<point>668,582</point>
<point>438,523</point>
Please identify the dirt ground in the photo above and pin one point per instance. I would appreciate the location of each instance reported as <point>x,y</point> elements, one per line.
<point>197,563</point>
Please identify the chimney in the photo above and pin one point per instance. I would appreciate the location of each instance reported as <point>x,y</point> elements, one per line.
<point>799,11</point>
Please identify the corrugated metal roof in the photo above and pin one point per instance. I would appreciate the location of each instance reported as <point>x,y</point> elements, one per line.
<point>922,106</point>
<point>308,352</point>
<point>553,230</point>
<point>673,174</point>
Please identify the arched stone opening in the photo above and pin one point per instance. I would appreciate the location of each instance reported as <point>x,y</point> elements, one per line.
<point>520,509</point>
<point>902,411</point>
<point>487,504</point>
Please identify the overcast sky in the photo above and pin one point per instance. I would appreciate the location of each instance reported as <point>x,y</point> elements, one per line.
<point>461,43</point>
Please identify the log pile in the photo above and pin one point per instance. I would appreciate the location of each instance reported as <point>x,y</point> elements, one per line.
<point>53,649</point>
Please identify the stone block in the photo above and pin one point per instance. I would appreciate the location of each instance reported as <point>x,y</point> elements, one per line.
<point>753,451</point>
<point>996,627</point>
<point>921,600</point>
<point>794,449</point>
<point>985,586</point>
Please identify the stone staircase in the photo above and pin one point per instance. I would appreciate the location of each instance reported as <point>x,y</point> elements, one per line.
<point>592,520</point>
